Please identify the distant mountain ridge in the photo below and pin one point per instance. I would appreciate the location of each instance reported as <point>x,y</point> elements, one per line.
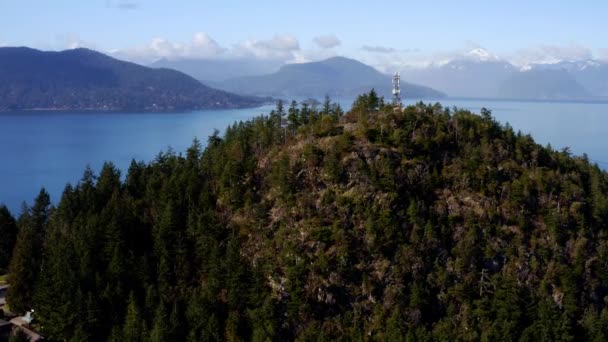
<point>481,74</point>
<point>591,74</point>
<point>215,70</point>
<point>543,84</point>
<point>336,77</point>
<point>464,77</point>
<point>82,79</point>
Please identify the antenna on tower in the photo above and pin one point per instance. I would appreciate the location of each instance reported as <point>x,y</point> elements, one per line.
<point>397,90</point>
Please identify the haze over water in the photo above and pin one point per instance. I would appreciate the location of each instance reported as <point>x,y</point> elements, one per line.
<point>52,149</point>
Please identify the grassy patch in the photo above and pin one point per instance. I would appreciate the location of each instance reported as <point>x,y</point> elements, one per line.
<point>3,279</point>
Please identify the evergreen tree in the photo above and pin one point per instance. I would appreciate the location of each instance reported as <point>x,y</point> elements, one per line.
<point>8,234</point>
<point>326,106</point>
<point>57,306</point>
<point>304,114</point>
<point>25,264</point>
<point>293,117</point>
<point>133,328</point>
<point>160,328</point>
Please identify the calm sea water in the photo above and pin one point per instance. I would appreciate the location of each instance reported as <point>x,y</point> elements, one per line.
<point>51,149</point>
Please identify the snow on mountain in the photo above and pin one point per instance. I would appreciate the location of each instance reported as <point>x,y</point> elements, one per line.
<point>482,55</point>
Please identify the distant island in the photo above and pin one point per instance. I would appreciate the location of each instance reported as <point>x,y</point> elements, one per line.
<point>86,80</point>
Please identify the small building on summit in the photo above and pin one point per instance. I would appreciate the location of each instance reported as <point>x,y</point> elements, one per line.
<point>22,323</point>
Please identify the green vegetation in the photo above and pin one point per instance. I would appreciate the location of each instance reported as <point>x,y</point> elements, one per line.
<point>8,235</point>
<point>3,280</point>
<point>428,224</point>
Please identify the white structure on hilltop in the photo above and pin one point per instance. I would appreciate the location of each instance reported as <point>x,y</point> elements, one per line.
<point>397,89</point>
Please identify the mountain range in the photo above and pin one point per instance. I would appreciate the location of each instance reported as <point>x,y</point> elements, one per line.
<point>215,70</point>
<point>336,77</point>
<point>475,74</point>
<point>480,74</point>
<point>543,84</point>
<point>82,79</point>
<point>591,74</point>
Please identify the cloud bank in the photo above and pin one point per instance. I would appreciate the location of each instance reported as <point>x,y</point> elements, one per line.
<point>547,54</point>
<point>203,46</point>
<point>378,49</point>
<point>200,46</point>
<point>327,42</point>
<point>389,59</point>
<point>284,48</point>
<point>123,4</point>
<point>73,41</point>
<point>280,47</point>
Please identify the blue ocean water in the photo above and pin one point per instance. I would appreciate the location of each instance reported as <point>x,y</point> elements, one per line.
<point>49,149</point>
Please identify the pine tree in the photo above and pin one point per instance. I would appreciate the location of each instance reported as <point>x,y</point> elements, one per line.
<point>8,234</point>
<point>304,114</point>
<point>57,300</point>
<point>133,328</point>
<point>25,264</point>
<point>293,117</point>
<point>326,106</point>
<point>160,328</point>
<point>23,270</point>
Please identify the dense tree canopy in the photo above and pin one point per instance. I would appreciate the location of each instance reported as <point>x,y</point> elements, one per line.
<point>8,236</point>
<point>420,224</point>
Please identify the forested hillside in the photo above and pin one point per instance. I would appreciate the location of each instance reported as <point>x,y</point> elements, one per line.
<point>86,80</point>
<point>431,224</point>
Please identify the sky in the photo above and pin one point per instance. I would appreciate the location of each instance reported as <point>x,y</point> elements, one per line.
<point>382,33</point>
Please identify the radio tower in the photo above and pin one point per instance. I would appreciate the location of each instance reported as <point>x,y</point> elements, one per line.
<point>397,90</point>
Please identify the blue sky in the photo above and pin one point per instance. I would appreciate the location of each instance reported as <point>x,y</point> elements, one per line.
<point>402,31</point>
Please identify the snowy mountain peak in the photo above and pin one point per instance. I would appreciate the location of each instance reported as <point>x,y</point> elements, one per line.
<point>588,64</point>
<point>481,55</point>
<point>570,66</point>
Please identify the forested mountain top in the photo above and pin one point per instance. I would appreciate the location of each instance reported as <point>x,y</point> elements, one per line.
<point>82,79</point>
<point>427,224</point>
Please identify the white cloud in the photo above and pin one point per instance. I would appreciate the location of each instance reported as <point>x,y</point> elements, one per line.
<point>547,54</point>
<point>123,4</point>
<point>282,47</point>
<point>389,59</point>
<point>603,54</point>
<point>327,42</point>
<point>73,41</point>
<point>305,56</point>
<point>543,54</point>
<point>201,46</point>
<point>378,49</point>
<point>204,46</point>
